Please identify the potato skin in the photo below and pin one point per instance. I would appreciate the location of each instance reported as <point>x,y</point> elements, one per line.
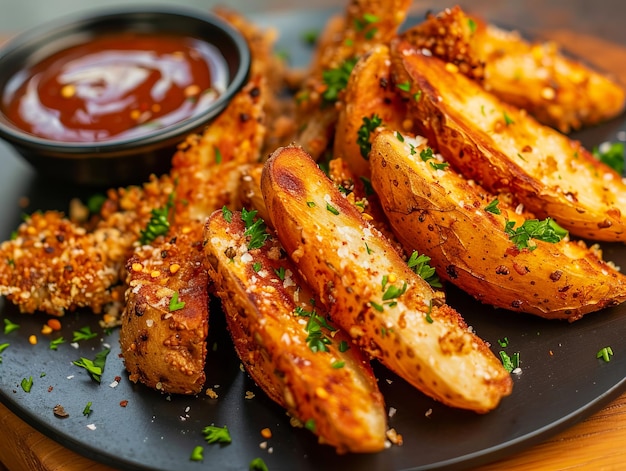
<point>440,214</point>
<point>349,264</point>
<point>555,89</point>
<point>162,348</point>
<point>504,149</point>
<point>334,389</point>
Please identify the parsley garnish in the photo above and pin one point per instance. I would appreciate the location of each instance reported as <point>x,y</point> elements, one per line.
<point>338,364</point>
<point>95,202</point>
<point>419,264</point>
<point>280,273</point>
<point>218,155</point>
<point>472,25</point>
<point>54,344</point>
<point>159,222</point>
<point>399,136</point>
<point>310,204</point>
<point>493,207</point>
<point>378,307</point>
<point>507,119</point>
<point>257,464</point>
<point>316,340</point>
<point>344,346</point>
<point>3,347</point>
<point>612,154</point>
<point>27,384</point>
<point>363,134</point>
<point>310,425</point>
<point>509,363</point>
<point>332,209</point>
<point>95,367</point>
<point>10,326</point>
<point>404,86</point>
<point>605,353</point>
<point>175,303</point>
<point>503,342</point>
<point>439,165</point>
<point>430,309</point>
<point>393,292</point>
<point>227,214</point>
<point>83,333</point>
<point>256,266</point>
<point>255,229</point>
<point>426,154</point>
<point>418,95</point>
<point>336,80</point>
<point>87,409</point>
<point>547,231</point>
<point>213,434</point>
<point>197,454</point>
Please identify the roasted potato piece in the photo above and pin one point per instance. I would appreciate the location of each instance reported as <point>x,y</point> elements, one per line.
<point>284,340</point>
<point>366,23</point>
<point>439,213</point>
<point>388,310</point>
<point>370,96</point>
<point>556,89</point>
<point>165,324</point>
<point>504,149</point>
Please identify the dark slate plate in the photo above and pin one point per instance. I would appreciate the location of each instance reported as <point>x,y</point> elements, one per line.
<point>562,381</point>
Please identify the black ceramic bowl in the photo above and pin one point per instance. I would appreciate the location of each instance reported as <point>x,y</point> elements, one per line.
<point>125,160</point>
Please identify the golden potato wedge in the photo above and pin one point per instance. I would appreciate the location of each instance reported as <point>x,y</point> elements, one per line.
<point>504,149</point>
<point>284,340</point>
<point>439,213</point>
<point>369,96</point>
<point>557,90</point>
<point>388,310</point>
<point>165,323</point>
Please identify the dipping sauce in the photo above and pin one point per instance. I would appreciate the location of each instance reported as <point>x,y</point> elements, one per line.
<point>116,86</point>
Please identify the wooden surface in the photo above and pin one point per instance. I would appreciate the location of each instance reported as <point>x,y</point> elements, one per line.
<point>597,443</point>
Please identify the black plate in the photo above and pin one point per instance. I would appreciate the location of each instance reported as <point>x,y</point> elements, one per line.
<point>561,383</point>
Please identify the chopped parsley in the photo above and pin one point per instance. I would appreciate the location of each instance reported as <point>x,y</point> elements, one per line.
<point>404,86</point>
<point>364,132</point>
<point>27,384</point>
<point>503,342</point>
<point>256,266</point>
<point>336,80</point>
<point>332,209</point>
<point>493,207</point>
<point>472,25</point>
<point>54,344</point>
<point>399,136</point>
<point>430,309</point>
<point>95,367</point>
<point>509,362</point>
<point>3,347</point>
<point>426,154</point>
<point>344,346</point>
<point>338,364</point>
<point>227,214</point>
<point>310,204</point>
<point>10,326</point>
<point>547,231</point>
<point>507,119</point>
<point>218,155</point>
<point>257,464</point>
<point>439,165</point>
<point>213,434</point>
<point>84,333</point>
<point>363,25</point>
<point>95,202</point>
<point>605,353</point>
<point>393,292</point>
<point>87,410</point>
<point>316,340</point>
<point>280,273</point>
<point>159,223</point>
<point>419,264</point>
<point>175,303</point>
<point>197,454</point>
<point>417,96</point>
<point>255,229</point>
<point>612,154</point>
<point>310,425</point>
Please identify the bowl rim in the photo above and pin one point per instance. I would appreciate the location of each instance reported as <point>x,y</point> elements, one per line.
<point>79,21</point>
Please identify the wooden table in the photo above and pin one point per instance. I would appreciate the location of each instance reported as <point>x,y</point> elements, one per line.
<point>597,443</point>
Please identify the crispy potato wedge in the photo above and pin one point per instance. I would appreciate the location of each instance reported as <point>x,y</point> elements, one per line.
<point>557,90</point>
<point>388,310</point>
<point>504,149</point>
<point>440,214</point>
<point>370,93</point>
<point>284,339</point>
<point>165,324</point>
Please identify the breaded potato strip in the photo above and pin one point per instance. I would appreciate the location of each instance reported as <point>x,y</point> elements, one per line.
<point>504,149</point>
<point>388,310</point>
<point>285,341</point>
<point>461,227</point>
<point>165,323</point>
<point>558,90</point>
<point>365,24</point>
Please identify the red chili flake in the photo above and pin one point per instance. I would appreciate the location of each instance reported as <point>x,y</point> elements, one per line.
<point>50,388</point>
<point>123,403</point>
<point>118,378</point>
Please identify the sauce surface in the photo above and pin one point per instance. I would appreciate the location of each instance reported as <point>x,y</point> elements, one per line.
<point>116,86</point>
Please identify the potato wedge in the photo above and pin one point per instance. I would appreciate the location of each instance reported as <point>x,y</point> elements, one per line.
<point>388,310</point>
<point>165,323</point>
<point>284,341</point>
<point>370,94</point>
<point>442,215</point>
<point>557,90</point>
<point>504,149</point>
